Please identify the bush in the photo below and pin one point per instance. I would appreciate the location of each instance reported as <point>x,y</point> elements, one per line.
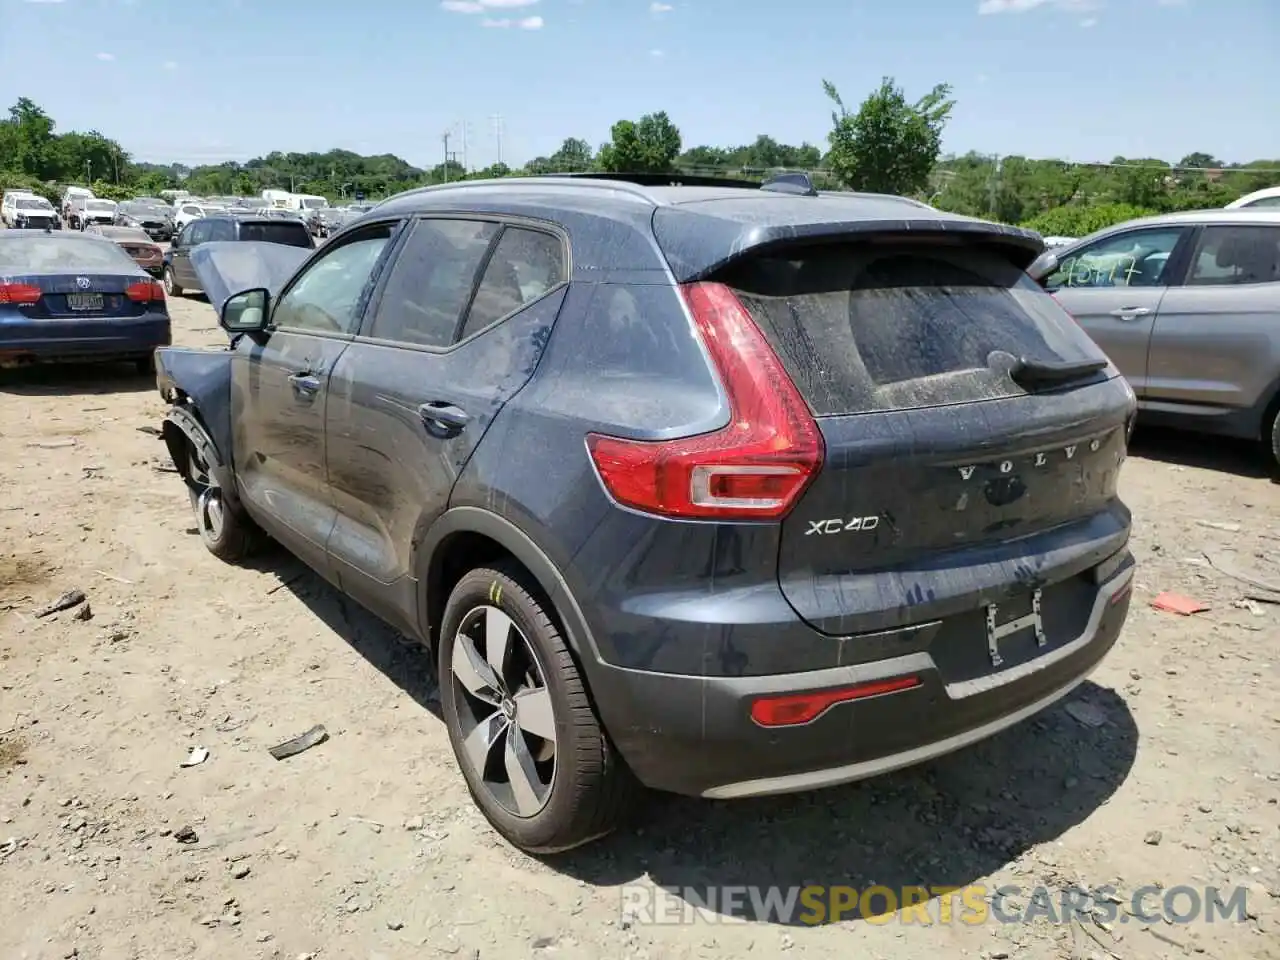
<point>1082,219</point>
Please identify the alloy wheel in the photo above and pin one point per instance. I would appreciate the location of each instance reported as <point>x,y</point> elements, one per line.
<point>504,712</point>
<point>210,515</point>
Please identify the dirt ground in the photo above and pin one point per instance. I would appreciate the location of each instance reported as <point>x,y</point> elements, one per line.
<point>1163,769</point>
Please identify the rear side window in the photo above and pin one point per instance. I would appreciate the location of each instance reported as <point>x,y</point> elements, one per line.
<point>525,264</point>
<point>431,282</point>
<point>290,234</point>
<point>870,327</point>
<point>1227,256</point>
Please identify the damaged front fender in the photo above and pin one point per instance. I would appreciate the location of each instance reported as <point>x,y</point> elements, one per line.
<point>199,381</point>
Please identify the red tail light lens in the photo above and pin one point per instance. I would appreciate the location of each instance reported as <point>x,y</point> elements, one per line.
<point>800,708</point>
<point>144,291</point>
<point>757,466</point>
<point>19,293</point>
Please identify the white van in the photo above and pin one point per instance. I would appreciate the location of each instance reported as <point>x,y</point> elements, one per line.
<point>277,199</point>
<point>75,193</point>
<point>306,201</point>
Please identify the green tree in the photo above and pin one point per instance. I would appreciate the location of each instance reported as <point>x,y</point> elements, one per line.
<point>29,143</point>
<point>1202,160</point>
<point>650,146</point>
<point>573,156</point>
<point>889,145</point>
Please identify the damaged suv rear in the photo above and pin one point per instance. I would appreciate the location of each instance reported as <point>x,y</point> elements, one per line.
<point>722,489</point>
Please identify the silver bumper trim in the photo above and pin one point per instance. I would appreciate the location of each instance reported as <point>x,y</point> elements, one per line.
<point>833,776</point>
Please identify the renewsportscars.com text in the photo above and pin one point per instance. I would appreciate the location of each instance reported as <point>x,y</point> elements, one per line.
<point>969,905</point>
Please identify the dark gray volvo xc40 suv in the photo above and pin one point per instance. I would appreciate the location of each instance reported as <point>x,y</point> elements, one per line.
<point>712,488</point>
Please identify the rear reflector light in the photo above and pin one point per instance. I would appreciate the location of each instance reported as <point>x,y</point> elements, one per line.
<point>756,467</point>
<point>20,293</point>
<point>144,291</point>
<point>799,708</point>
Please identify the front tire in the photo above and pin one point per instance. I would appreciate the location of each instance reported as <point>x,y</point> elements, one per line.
<point>171,288</point>
<point>1271,440</point>
<point>536,760</point>
<point>227,532</point>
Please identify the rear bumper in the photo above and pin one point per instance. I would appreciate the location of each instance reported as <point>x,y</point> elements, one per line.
<point>26,341</point>
<point>695,735</point>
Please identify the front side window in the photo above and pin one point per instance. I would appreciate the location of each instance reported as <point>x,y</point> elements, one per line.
<point>327,297</point>
<point>525,265</point>
<point>200,231</point>
<point>1264,202</point>
<point>1137,258</point>
<point>1227,256</point>
<point>431,282</point>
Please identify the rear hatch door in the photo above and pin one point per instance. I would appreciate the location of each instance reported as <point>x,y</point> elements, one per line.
<point>974,433</point>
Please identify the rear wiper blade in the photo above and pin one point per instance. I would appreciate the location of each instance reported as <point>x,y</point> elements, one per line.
<point>1030,374</point>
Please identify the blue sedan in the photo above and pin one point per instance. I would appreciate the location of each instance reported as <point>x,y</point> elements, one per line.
<point>71,297</point>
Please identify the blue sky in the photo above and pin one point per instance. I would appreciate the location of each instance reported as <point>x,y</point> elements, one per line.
<point>208,80</point>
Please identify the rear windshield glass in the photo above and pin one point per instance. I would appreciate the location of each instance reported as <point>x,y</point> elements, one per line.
<point>55,255</point>
<point>293,234</point>
<point>866,327</point>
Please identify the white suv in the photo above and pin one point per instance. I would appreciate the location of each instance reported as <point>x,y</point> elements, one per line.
<point>24,210</point>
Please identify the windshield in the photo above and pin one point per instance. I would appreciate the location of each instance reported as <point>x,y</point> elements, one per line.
<point>33,204</point>
<point>46,254</point>
<point>99,205</point>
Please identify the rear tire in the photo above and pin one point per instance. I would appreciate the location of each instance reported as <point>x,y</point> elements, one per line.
<point>146,365</point>
<point>577,787</point>
<point>171,288</point>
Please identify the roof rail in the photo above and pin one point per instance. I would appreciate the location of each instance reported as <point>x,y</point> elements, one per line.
<point>659,179</point>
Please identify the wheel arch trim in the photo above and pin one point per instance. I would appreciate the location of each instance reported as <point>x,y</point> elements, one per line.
<point>525,549</point>
<point>182,421</point>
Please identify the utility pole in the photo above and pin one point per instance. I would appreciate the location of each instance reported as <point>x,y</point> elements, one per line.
<point>496,120</point>
<point>116,157</point>
<point>465,166</point>
<point>445,137</point>
<point>995,185</point>
<point>88,173</point>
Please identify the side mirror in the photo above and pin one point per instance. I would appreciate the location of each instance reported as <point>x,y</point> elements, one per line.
<point>1043,265</point>
<point>246,312</point>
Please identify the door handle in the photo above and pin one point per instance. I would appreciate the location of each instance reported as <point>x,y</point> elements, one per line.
<point>1130,313</point>
<point>305,384</point>
<point>444,418</point>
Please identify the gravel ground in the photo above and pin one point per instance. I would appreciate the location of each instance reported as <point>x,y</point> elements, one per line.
<point>1163,769</point>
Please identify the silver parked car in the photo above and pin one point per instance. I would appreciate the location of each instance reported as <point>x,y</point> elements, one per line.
<point>1187,306</point>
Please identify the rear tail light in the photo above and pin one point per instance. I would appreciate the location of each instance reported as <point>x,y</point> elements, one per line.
<point>144,291</point>
<point>800,708</point>
<point>757,466</point>
<point>19,293</point>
